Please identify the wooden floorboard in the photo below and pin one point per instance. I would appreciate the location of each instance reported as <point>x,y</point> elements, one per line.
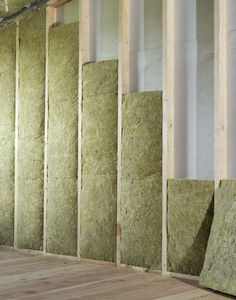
<point>32,277</point>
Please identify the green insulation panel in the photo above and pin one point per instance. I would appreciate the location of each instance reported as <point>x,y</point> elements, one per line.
<point>31,131</point>
<point>63,140</point>
<point>190,214</point>
<point>99,160</point>
<point>219,270</point>
<point>141,183</point>
<point>7,132</point>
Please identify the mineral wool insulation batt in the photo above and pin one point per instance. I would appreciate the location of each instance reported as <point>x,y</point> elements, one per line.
<point>31,131</point>
<point>219,270</point>
<point>99,161</point>
<point>141,183</point>
<point>63,140</point>
<point>190,215</point>
<point>7,130</point>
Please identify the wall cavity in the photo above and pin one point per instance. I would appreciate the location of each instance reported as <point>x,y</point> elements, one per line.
<point>7,132</point>
<point>141,184</point>
<point>105,27</point>
<point>205,90</point>
<point>31,131</point>
<point>99,161</point>
<point>190,214</point>
<point>145,45</point>
<point>63,140</point>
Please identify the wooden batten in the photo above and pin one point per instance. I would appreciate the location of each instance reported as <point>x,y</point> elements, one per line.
<point>16,133</point>
<point>57,3</point>
<point>85,53</point>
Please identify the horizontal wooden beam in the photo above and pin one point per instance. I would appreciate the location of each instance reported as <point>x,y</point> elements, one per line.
<point>56,3</point>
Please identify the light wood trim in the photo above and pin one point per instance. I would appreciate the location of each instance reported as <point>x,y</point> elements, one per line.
<point>221,89</point>
<point>57,3</point>
<point>16,134</point>
<point>124,56</point>
<point>50,18</point>
<point>123,88</point>
<point>168,116</point>
<point>85,37</point>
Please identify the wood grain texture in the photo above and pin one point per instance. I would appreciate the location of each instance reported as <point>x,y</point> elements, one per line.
<point>31,277</point>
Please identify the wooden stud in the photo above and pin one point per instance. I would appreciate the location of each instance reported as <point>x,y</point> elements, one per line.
<point>16,133</point>
<point>6,6</point>
<point>57,3</point>
<point>123,87</point>
<point>85,36</point>
<point>168,116</point>
<point>51,13</point>
<point>221,90</point>
<point>50,20</point>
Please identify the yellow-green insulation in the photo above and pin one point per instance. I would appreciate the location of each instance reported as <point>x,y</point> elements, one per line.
<point>219,270</point>
<point>99,160</point>
<point>141,183</point>
<point>31,131</point>
<point>7,130</point>
<point>63,140</point>
<point>190,214</point>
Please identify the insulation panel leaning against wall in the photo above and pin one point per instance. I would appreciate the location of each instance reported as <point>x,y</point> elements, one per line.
<point>7,130</point>
<point>190,214</point>
<point>99,160</point>
<point>31,131</point>
<point>141,183</point>
<point>63,140</point>
<point>219,269</point>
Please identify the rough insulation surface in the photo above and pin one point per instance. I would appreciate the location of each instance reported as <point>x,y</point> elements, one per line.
<point>99,160</point>
<point>62,142</point>
<point>13,5</point>
<point>219,270</point>
<point>190,214</point>
<point>7,130</point>
<point>31,131</point>
<point>141,193</point>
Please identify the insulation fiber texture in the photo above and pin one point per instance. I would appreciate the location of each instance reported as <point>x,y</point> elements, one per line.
<point>190,214</point>
<point>141,183</point>
<point>99,160</point>
<point>31,131</point>
<point>7,130</point>
<point>219,270</point>
<point>63,140</point>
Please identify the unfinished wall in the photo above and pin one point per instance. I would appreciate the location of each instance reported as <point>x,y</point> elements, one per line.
<point>7,131</point>
<point>69,12</point>
<point>31,131</point>
<point>62,140</point>
<point>145,45</point>
<point>141,185</point>
<point>193,71</point>
<point>219,271</point>
<point>99,161</point>
<point>190,214</point>
<point>105,27</point>
<point>205,90</point>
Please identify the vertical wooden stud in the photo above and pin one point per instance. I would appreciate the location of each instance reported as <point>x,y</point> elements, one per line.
<point>50,20</point>
<point>85,55</point>
<point>16,133</point>
<point>221,90</point>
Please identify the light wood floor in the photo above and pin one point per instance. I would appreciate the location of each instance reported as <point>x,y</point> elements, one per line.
<point>29,277</point>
